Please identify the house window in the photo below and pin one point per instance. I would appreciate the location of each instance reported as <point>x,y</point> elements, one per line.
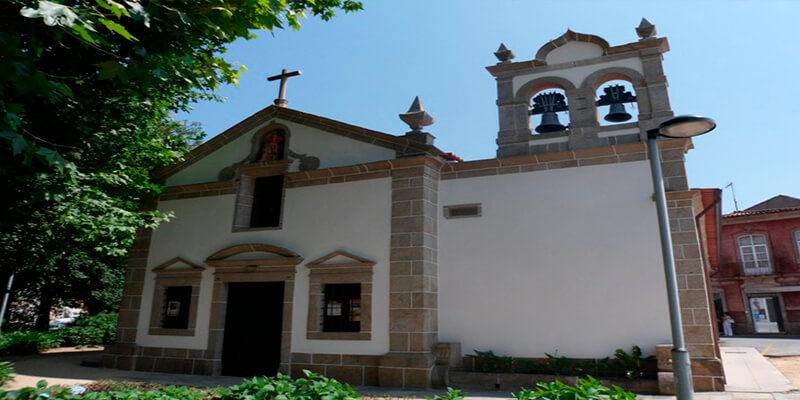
<point>267,201</point>
<point>462,211</point>
<point>340,297</point>
<point>754,254</point>
<point>797,242</point>
<point>342,308</point>
<point>177,300</point>
<point>175,295</point>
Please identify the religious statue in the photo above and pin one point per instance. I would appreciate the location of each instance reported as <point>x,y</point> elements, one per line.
<point>272,147</point>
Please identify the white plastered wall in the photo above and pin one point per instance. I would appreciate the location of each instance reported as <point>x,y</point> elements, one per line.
<point>333,151</point>
<point>576,75</point>
<point>563,260</point>
<point>317,220</point>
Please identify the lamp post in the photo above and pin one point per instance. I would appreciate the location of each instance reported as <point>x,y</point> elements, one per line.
<point>685,126</point>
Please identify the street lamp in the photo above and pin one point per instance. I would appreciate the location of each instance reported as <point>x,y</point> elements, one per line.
<point>684,126</point>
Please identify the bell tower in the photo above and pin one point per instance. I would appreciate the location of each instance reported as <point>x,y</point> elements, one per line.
<point>580,77</point>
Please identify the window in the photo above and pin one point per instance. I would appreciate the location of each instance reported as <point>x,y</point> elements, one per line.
<point>177,300</point>
<point>462,211</point>
<point>340,297</point>
<point>342,308</point>
<point>754,254</point>
<point>175,294</point>
<point>259,193</point>
<point>267,201</point>
<point>797,242</point>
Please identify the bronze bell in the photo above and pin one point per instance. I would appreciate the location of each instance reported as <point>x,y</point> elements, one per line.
<point>550,123</point>
<point>548,104</point>
<point>615,97</point>
<point>617,113</point>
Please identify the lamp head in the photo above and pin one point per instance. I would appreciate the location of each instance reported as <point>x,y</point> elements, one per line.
<point>686,126</point>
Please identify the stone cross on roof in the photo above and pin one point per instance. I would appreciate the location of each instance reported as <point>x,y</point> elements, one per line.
<point>283,76</point>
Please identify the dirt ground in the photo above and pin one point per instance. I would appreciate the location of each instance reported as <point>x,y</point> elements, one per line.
<point>789,366</point>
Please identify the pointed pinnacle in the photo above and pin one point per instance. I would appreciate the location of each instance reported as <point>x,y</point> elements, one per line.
<point>416,106</point>
<point>646,30</point>
<point>503,54</point>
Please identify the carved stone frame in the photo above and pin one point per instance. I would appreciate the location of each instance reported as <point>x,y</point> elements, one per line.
<point>281,269</point>
<point>247,175</point>
<point>359,270</point>
<point>169,278</point>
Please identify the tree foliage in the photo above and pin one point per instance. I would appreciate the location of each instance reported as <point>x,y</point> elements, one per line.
<point>88,89</point>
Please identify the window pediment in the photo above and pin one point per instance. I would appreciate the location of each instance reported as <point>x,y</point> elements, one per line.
<point>340,259</point>
<point>178,266</point>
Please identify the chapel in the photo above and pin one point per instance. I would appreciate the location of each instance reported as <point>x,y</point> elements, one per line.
<point>302,242</point>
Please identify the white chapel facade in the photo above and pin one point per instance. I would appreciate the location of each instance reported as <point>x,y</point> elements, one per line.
<point>300,242</point>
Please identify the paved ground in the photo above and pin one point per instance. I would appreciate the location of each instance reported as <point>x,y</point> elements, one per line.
<point>750,377</point>
<point>772,347</point>
<point>62,367</point>
<point>747,371</point>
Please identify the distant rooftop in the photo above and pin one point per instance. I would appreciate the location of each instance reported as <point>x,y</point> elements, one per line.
<point>779,203</point>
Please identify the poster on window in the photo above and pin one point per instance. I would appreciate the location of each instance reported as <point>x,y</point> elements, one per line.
<point>355,310</point>
<point>333,308</point>
<point>173,308</point>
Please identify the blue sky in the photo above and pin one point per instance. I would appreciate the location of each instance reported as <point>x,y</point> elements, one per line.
<point>737,62</point>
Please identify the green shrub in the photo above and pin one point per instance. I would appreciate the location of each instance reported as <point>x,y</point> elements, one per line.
<point>27,342</point>
<point>487,361</point>
<point>282,387</point>
<point>584,389</point>
<point>628,365</point>
<point>6,372</point>
<point>167,393</point>
<point>452,394</point>
<point>95,330</point>
<point>633,365</point>
<point>43,392</point>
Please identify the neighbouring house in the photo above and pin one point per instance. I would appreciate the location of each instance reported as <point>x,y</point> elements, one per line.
<point>757,280</point>
<point>300,242</point>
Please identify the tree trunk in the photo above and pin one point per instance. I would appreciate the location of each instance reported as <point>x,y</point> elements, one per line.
<point>43,311</point>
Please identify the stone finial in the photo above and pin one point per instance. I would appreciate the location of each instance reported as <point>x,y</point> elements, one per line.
<point>504,54</point>
<point>646,30</point>
<point>417,118</point>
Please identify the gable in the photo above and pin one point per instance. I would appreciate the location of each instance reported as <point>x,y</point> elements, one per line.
<point>777,202</point>
<point>340,258</point>
<point>332,150</point>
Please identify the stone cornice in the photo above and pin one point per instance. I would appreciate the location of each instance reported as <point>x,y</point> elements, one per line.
<point>494,166</point>
<point>658,46</point>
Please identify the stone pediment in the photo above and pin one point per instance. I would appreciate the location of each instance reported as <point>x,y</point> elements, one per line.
<point>177,265</point>
<point>253,255</point>
<point>340,259</point>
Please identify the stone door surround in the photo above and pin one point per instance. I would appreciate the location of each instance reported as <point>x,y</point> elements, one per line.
<point>279,266</point>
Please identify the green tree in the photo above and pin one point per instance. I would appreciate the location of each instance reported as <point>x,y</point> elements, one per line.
<point>87,93</point>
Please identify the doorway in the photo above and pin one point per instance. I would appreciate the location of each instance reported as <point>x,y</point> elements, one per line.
<point>766,314</point>
<point>253,325</point>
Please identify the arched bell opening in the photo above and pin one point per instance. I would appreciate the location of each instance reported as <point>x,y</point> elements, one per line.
<point>616,101</point>
<point>549,110</point>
